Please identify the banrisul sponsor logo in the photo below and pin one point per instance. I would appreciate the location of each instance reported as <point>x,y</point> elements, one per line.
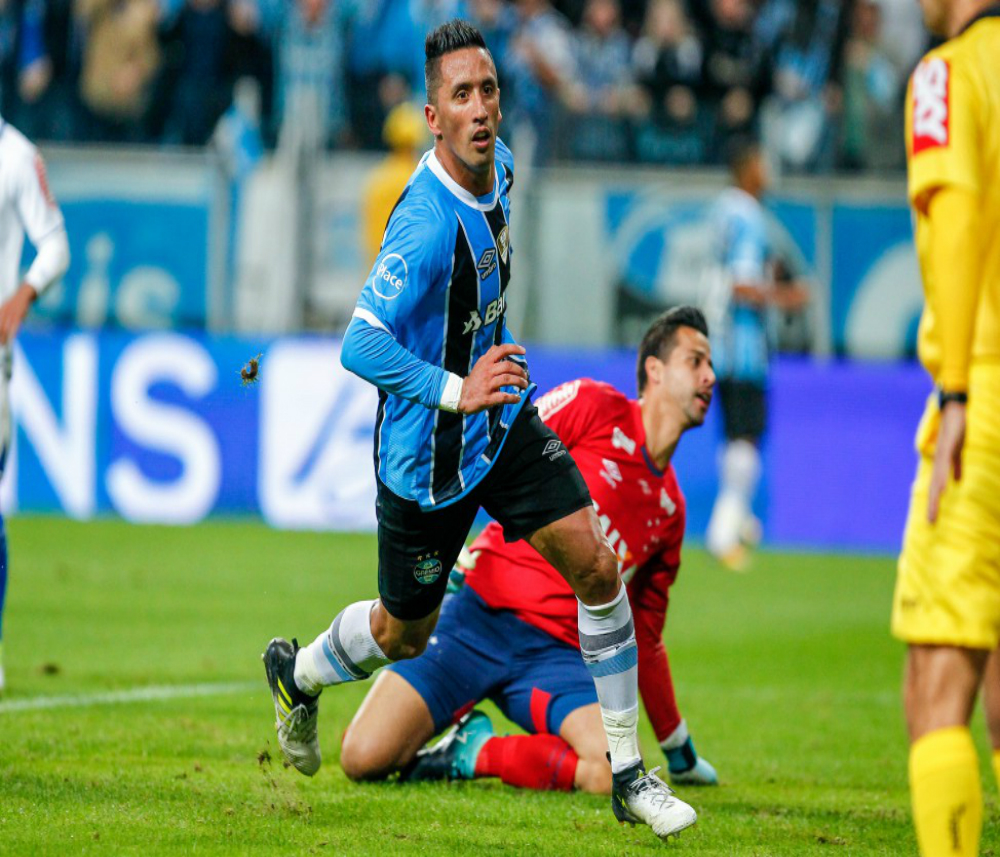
<point>427,570</point>
<point>494,311</point>
<point>390,276</point>
<point>487,263</point>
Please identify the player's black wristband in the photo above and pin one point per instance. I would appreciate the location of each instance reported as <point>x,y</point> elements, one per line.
<point>945,396</point>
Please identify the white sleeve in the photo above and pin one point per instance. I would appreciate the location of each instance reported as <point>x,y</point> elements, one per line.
<point>43,223</point>
<point>51,262</point>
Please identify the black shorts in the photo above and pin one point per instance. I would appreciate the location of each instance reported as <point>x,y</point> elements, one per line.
<point>533,482</point>
<point>744,408</point>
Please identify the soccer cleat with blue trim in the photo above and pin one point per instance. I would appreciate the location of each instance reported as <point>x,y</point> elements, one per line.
<point>701,773</point>
<point>454,756</point>
<point>295,712</point>
<point>688,768</point>
<point>641,798</point>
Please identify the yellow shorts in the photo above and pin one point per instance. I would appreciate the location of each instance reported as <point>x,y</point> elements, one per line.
<point>948,581</point>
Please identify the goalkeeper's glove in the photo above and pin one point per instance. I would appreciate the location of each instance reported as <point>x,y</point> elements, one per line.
<point>456,577</point>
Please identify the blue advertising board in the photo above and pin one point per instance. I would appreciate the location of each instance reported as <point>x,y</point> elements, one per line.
<point>160,427</point>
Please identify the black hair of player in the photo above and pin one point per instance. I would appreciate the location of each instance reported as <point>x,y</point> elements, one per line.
<point>740,151</point>
<point>455,35</point>
<point>660,338</point>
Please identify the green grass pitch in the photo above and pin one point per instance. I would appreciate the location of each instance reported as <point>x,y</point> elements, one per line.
<point>787,676</point>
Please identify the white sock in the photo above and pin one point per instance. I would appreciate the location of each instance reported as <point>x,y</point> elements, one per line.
<point>346,651</point>
<point>607,641</point>
<point>677,738</point>
<point>739,474</point>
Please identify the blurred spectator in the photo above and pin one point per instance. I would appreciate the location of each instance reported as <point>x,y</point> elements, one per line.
<point>203,64</point>
<point>309,48</point>
<point>542,66</point>
<point>385,58</point>
<point>602,93</point>
<point>51,112</point>
<point>873,103</point>
<point>405,133</point>
<point>667,62</point>
<point>25,66</point>
<point>121,58</point>
<point>805,38</point>
<point>497,21</point>
<point>903,32</point>
<point>737,72</point>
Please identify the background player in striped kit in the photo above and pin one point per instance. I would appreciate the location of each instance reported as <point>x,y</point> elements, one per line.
<point>455,431</point>
<point>743,291</point>
<point>26,205</point>
<point>624,449</point>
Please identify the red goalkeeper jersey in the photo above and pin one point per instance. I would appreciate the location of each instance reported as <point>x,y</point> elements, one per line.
<point>642,512</point>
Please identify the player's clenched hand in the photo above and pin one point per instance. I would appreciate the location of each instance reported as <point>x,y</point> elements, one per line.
<point>947,455</point>
<point>481,389</point>
<point>13,311</point>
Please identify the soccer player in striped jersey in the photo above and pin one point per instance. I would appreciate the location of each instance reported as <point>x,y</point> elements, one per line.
<point>514,601</point>
<point>456,431</point>
<point>26,205</point>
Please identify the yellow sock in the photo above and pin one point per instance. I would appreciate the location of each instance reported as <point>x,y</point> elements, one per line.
<point>947,796</point>
<point>996,765</point>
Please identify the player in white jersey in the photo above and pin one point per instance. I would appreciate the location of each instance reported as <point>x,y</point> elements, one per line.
<point>26,206</point>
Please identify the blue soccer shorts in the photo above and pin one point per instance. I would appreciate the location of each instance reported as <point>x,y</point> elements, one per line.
<point>479,653</point>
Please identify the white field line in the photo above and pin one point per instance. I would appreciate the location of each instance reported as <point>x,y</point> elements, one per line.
<point>163,693</point>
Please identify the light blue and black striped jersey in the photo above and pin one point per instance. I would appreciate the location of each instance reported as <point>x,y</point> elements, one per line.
<point>433,304</point>
<point>739,335</point>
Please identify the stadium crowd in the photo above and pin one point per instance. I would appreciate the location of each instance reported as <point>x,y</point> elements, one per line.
<point>652,81</point>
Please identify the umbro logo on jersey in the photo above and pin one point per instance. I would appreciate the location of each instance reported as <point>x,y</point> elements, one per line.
<point>487,263</point>
<point>930,104</point>
<point>619,440</point>
<point>554,449</point>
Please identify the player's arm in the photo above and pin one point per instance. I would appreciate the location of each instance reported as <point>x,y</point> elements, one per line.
<point>945,186</point>
<point>747,264</point>
<point>954,264</point>
<point>43,222</point>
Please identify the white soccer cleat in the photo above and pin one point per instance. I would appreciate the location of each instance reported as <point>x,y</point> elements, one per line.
<point>296,713</point>
<point>640,798</point>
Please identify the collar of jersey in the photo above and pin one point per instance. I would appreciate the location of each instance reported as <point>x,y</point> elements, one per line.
<point>991,11</point>
<point>483,203</point>
<point>640,436</point>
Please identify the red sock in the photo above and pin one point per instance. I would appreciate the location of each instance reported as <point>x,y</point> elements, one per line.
<point>543,762</point>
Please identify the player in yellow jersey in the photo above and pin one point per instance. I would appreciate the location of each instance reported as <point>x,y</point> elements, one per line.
<point>947,601</point>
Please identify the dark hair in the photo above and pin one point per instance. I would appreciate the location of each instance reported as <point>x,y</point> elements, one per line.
<point>449,37</point>
<point>660,338</point>
<point>739,152</point>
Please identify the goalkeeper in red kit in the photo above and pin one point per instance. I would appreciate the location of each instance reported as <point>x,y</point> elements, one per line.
<point>510,635</point>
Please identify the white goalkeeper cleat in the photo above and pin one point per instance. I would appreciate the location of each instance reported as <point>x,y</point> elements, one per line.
<point>641,798</point>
